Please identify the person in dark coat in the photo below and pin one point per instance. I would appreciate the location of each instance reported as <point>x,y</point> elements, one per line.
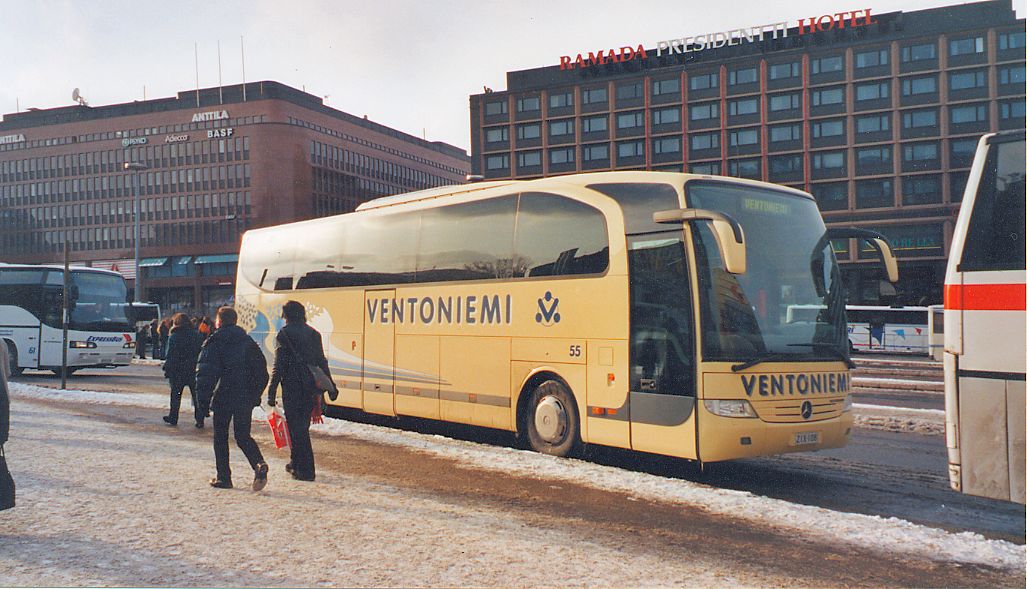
<point>163,333</point>
<point>5,401</point>
<point>155,340</point>
<point>298,392</point>
<point>180,368</point>
<point>142,338</point>
<point>223,378</point>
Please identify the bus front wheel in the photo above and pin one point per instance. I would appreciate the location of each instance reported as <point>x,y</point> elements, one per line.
<point>552,420</point>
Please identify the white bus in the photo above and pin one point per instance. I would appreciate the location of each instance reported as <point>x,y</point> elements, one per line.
<point>986,326</point>
<point>100,332</point>
<point>891,330</point>
<point>641,310</point>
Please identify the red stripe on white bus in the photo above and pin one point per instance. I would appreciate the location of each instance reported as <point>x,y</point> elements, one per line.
<point>986,297</point>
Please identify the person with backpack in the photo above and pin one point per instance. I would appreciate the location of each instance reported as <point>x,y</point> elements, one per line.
<point>180,368</point>
<point>298,351</point>
<point>231,375</point>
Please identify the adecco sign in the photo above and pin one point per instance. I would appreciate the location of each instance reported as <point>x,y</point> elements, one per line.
<point>840,20</point>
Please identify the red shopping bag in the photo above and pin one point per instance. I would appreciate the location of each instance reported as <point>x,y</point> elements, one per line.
<point>315,413</point>
<point>279,428</point>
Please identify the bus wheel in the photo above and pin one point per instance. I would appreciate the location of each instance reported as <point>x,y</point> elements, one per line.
<point>12,351</point>
<point>553,420</point>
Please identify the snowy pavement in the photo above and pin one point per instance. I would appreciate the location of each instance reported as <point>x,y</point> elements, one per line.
<point>368,511</point>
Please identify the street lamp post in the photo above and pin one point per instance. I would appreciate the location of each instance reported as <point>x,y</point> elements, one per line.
<point>137,167</point>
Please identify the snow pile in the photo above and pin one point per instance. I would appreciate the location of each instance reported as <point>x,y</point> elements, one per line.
<point>929,422</point>
<point>147,361</point>
<point>890,535</point>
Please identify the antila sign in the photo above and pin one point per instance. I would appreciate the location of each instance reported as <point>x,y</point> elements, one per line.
<point>814,24</point>
<point>213,115</point>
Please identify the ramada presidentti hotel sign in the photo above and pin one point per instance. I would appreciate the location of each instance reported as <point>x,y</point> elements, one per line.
<point>851,19</point>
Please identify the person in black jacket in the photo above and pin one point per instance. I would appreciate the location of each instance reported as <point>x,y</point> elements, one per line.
<point>298,345</point>
<point>180,367</point>
<point>223,378</point>
<point>5,402</point>
<point>142,338</point>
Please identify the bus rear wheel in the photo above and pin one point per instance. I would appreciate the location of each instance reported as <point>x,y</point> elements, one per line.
<point>552,420</point>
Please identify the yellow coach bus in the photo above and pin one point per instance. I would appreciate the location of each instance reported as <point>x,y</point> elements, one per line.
<point>641,310</point>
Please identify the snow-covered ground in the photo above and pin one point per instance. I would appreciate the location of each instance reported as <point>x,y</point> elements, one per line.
<point>889,535</point>
<point>900,419</point>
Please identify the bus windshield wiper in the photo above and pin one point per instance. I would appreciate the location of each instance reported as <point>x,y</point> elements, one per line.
<point>831,350</point>
<point>762,359</point>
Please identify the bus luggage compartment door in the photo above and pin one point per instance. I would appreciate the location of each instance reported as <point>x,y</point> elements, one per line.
<point>378,378</point>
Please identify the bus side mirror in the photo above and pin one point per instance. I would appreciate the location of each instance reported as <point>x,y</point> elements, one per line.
<point>876,241</point>
<point>727,231</point>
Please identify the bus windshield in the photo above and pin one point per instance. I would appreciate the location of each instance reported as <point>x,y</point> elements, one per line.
<point>101,304</point>
<point>789,303</point>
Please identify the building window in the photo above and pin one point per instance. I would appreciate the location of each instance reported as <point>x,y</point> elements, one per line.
<point>594,124</point>
<point>743,76</point>
<point>743,137</point>
<point>966,46</point>
<point>967,80</point>
<point>921,190</point>
<point>564,155</point>
<point>828,96</point>
<point>873,123</point>
<point>629,120</point>
<point>528,104</point>
<point>872,58</point>
<point>785,164</point>
<point>529,131</point>
<point>629,91</point>
<point>919,152</point>
<point>593,96</point>
<point>748,168</point>
<point>630,149</point>
<point>918,119</point>
<point>779,102</point>
<point>496,134</point>
<point>833,128</point>
<point>829,160</point>
<point>1011,110</point>
<point>781,71</point>
<point>704,141</point>
<point>599,151</point>
<point>785,133</point>
<point>831,197</point>
<point>667,145</point>
<point>1013,74</point>
<point>747,106</point>
<point>874,155</point>
<point>495,108</point>
<point>707,168</point>
<point>701,112</point>
<point>970,113</point>
<point>561,127</point>
<point>561,100</point>
<point>919,52</point>
<point>872,194</point>
<point>1011,41</point>
<point>666,116</point>
<point>872,91</point>
<point>529,159</point>
<point>703,81</point>
<point>963,149</point>
<point>497,162</point>
<point>823,65</point>
<point>921,85</point>
<point>661,87</point>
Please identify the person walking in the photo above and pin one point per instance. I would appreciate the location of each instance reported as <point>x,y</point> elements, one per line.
<point>180,367</point>
<point>163,333</point>
<point>224,376</point>
<point>155,340</point>
<point>297,345</point>
<point>206,327</point>
<point>142,338</point>
<point>7,487</point>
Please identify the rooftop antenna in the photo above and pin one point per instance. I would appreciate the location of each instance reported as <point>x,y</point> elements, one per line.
<point>196,60</point>
<point>77,97</point>
<point>242,53</point>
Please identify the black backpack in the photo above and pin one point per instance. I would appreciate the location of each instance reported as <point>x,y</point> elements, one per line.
<point>256,368</point>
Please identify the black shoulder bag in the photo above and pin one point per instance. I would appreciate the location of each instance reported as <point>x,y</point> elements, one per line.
<point>321,381</point>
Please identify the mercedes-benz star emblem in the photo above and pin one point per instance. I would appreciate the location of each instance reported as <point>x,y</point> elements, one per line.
<point>807,409</point>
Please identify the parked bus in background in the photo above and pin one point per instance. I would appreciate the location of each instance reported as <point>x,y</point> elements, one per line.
<point>641,310</point>
<point>100,331</point>
<point>892,330</point>
<point>986,326</point>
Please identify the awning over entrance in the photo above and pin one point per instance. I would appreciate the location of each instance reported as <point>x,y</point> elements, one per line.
<point>152,262</point>
<point>217,259</point>
<point>181,260</point>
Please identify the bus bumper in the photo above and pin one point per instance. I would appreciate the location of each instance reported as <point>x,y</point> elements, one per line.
<point>728,438</point>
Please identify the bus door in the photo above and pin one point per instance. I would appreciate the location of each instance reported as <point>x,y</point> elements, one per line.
<point>662,383</point>
<point>378,378</point>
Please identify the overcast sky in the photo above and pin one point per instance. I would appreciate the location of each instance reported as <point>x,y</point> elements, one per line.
<point>407,64</point>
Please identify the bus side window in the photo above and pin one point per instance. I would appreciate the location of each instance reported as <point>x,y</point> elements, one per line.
<point>995,236</point>
<point>557,236</point>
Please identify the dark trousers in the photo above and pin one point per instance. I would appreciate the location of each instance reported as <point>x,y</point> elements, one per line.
<point>177,386</point>
<point>297,415</point>
<point>241,415</point>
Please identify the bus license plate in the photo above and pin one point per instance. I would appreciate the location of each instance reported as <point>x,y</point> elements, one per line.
<point>807,438</point>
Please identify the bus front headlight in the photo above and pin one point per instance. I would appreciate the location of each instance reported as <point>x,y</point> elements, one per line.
<point>77,344</point>
<point>730,407</point>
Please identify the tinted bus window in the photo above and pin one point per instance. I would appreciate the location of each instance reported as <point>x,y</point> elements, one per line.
<point>470,241</point>
<point>994,238</point>
<point>557,236</point>
<point>639,202</point>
